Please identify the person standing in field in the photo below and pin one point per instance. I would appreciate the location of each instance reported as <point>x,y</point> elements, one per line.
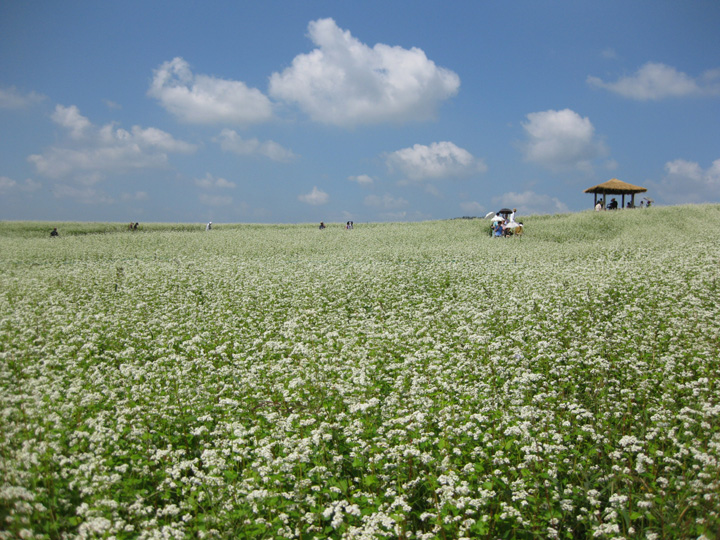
<point>54,232</point>
<point>208,226</point>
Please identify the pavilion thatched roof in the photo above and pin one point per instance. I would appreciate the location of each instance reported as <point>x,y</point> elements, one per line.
<point>615,187</point>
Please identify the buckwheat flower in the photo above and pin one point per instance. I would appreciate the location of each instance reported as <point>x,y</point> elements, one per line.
<point>606,529</point>
<point>94,526</point>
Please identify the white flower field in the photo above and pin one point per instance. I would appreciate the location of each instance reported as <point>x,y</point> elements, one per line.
<point>418,380</point>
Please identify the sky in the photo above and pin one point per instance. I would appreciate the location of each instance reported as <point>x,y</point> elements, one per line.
<point>394,110</point>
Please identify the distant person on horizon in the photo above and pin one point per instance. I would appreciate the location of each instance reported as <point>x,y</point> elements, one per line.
<point>322,225</point>
<point>208,226</point>
<point>54,232</point>
<point>598,206</point>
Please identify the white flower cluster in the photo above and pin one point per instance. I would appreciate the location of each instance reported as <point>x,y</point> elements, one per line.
<point>403,380</point>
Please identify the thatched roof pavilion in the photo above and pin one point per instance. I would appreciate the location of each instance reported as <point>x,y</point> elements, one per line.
<point>615,187</point>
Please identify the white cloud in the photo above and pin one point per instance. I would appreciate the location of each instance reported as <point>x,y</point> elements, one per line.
<point>154,138</point>
<point>472,207</point>
<point>395,216</point>
<point>202,99</point>
<point>362,179</point>
<point>529,202</point>
<point>71,119</point>
<point>230,141</point>
<point>315,197</point>
<point>84,195</point>
<point>215,200</point>
<point>30,185</point>
<point>12,98</point>
<point>386,202</point>
<point>92,151</point>
<point>6,184</point>
<point>655,81</point>
<point>687,182</point>
<point>433,190</point>
<point>611,165</point>
<point>344,82</point>
<point>137,196</point>
<point>210,182</point>
<point>89,179</point>
<point>561,140</point>
<point>439,160</point>
<point>61,162</point>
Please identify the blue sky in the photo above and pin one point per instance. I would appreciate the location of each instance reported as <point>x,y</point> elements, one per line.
<point>292,112</point>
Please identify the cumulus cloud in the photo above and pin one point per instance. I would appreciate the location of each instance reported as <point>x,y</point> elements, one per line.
<point>83,195</point>
<point>202,99</point>
<point>150,138</point>
<point>561,140</point>
<point>386,202</point>
<point>345,82</point>
<point>362,179</point>
<point>8,185</point>
<point>210,182</point>
<point>529,202</point>
<point>12,98</point>
<point>472,207</point>
<point>230,141</point>
<point>656,81</point>
<point>215,200</point>
<point>395,216</point>
<point>71,119</point>
<point>687,182</point>
<point>437,161</point>
<point>316,197</point>
<point>29,185</point>
<point>92,151</point>
<point>134,197</point>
